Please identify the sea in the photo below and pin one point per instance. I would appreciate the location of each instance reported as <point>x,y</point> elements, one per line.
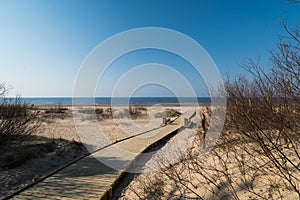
<point>118,101</point>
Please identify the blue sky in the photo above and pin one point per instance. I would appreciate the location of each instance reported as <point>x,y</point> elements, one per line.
<point>44,42</point>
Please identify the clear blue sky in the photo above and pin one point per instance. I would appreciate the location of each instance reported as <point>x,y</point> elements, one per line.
<point>44,42</point>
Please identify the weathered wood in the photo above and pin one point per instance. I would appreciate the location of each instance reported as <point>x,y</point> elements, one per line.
<point>89,178</point>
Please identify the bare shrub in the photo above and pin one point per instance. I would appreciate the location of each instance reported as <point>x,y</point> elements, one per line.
<point>173,113</point>
<point>97,111</point>
<point>167,113</point>
<point>137,111</point>
<point>257,155</point>
<point>58,109</point>
<point>265,112</point>
<point>106,114</point>
<point>149,187</point>
<point>17,121</point>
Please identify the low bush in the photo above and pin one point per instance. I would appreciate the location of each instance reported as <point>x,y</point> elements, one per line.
<point>17,122</point>
<point>56,109</point>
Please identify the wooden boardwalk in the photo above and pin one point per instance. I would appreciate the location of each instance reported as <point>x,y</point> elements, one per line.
<point>89,178</point>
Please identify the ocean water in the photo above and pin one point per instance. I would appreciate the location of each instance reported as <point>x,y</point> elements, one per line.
<point>119,101</point>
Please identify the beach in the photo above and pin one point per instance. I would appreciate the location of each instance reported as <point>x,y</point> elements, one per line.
<point>61,137</point>
<point>70,132</point>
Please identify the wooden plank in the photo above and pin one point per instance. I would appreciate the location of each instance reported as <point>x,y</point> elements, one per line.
<point>90,179</point>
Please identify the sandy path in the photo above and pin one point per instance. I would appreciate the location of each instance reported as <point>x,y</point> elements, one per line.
<point>60,132</point>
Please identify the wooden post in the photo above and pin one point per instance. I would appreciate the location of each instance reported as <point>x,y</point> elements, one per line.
<point>187,122</point>
<point>164,121</point>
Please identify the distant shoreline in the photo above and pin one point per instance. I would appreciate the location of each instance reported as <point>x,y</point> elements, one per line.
<point>116,101</point>
<point>131,105</point>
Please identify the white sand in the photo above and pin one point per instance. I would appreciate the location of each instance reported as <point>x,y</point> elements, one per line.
<point>61,125</point>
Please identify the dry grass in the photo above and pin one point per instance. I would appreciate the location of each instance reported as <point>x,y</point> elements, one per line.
<point>258,155</point>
